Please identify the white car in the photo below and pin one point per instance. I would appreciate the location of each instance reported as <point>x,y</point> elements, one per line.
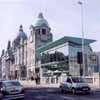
<point>11,89</point>
<point>74,85</point>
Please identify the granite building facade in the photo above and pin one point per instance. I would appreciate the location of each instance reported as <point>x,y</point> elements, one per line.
<point>19,60</point>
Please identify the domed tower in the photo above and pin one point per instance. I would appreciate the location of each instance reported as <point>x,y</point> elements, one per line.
<point>41,31</point>
<point>21,37</point>
<point>40,36</point>
<point>20,54</point>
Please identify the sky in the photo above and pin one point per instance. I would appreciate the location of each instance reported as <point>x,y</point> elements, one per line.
<point>63,16</point>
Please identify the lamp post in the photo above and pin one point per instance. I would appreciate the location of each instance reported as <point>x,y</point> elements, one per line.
<point>82,30</point>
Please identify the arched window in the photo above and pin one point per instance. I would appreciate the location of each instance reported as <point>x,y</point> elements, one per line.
<point>43,31</point>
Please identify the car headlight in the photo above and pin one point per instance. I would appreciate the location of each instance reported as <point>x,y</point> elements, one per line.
<point>3,88</point>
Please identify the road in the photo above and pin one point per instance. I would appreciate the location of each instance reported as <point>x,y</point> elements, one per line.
<point>54,94</point>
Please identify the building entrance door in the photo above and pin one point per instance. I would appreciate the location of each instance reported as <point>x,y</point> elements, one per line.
<point>37,72</point>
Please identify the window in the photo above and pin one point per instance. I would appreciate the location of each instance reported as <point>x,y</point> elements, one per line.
<point>68,80</point>
<point>77,80</point>
<point>31,37</point>
<point>13,83</point>
<point>43,31</point>
<point>38,31</point>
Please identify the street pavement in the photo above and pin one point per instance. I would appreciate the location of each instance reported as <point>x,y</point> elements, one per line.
<point>53,93</point>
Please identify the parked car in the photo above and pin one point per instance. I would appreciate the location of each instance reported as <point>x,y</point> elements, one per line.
<point>11,89</point>
<point>74,85</point>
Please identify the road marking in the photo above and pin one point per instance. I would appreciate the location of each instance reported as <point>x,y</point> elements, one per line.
<point>65,97</point>
<point>13,98</point>
<point>14,95</point>
<point>9,97</point>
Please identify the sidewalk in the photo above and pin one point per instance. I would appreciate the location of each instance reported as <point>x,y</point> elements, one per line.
<point>49,85</point>
<point>95,89</point>
<point>28,84</point>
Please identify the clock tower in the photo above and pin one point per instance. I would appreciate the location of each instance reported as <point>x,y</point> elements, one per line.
<point>40,35</point>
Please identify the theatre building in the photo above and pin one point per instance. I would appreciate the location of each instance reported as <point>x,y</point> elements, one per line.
<point>39,58</point>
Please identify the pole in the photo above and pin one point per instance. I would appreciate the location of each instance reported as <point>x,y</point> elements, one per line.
<point>82,30</point>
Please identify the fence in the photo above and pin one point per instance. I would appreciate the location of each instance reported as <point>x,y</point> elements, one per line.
<point>93,81</point>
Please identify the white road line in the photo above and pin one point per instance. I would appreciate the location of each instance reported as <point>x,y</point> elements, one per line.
<point>17,95</point>
<point>9,97</point>
<point>12,98</point>
<point>69,98</point>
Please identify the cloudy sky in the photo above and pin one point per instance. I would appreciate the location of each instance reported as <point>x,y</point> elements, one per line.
<point>63,17</point>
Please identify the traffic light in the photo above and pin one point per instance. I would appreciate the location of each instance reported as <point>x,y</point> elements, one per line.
<point>79,57</point>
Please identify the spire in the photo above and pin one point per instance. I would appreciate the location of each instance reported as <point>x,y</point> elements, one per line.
<point>3,51</point>
<point>21,28</point>
<point>9,45</point>
<point>40,15</point>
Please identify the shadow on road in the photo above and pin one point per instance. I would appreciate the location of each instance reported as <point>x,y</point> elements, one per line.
<point>52,93</point>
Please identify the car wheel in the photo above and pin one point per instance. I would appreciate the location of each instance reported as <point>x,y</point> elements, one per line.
<point>73,91</point>
<point>1,95</point>
<point>62,91</point>
<point>88,93</point>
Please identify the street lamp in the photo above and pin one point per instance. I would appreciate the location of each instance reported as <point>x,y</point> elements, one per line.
<point>82,30</point>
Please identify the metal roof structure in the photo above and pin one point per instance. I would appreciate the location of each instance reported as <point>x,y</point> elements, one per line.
<point>75,40</point>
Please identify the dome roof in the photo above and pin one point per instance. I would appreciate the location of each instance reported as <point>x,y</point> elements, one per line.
<point>40,21</point>
<point>21,35</point>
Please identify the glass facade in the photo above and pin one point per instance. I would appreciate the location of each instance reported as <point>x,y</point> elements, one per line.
<point>55,60</point>
<point>64,59</point>
<point>75,67</point>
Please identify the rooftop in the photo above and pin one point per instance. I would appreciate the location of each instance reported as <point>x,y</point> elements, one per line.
<point>63,40</point>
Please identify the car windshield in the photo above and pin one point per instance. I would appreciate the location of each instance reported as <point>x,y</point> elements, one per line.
<point>78,80</point>
<point>13,83</point>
